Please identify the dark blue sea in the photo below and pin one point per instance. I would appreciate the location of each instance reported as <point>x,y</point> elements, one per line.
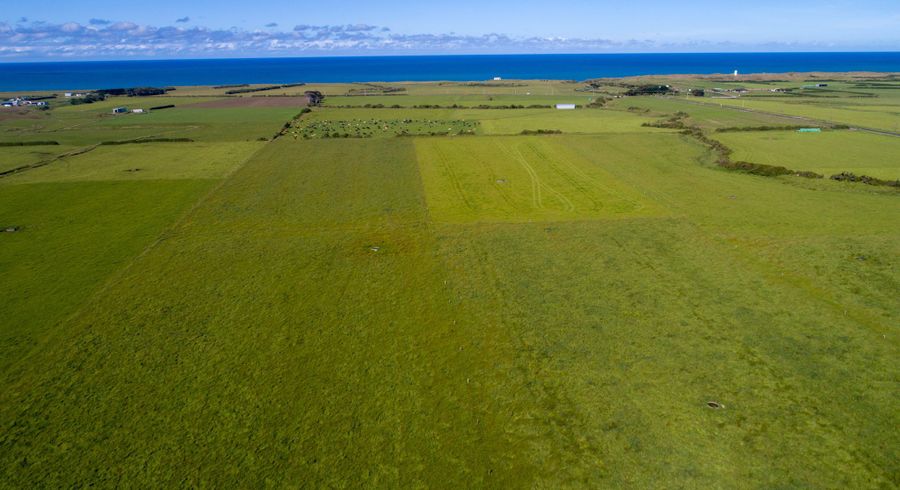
<point>110,74</point>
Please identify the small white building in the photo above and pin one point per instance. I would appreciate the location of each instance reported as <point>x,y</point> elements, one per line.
<point>497,79</point>
<point>566,107</point>
<point>137,111</point>
<point>68,94</point>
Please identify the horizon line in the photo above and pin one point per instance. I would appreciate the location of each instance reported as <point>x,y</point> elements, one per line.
<point>414,55</point>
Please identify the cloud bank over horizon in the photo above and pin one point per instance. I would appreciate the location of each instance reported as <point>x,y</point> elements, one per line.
<point>99,39</point>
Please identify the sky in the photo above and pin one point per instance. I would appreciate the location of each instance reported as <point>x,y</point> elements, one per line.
<point>106,30</point>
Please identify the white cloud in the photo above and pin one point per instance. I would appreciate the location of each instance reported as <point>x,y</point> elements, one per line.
<point>105,39</point>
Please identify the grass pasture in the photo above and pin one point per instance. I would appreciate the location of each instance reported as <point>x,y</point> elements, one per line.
<point>86,125</point>
<point>521,179</point>
<point>150,161</point>
<point>837,113</point>
<point>827,153</point>
<point>584,121</point>
<point>72,237</point>
<point>705,115</point>
<point>601,308</point>
<point>16,156</point>
<point>380,128</point>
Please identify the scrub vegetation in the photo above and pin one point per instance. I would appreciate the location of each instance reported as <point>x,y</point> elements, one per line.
<point>580,298</point>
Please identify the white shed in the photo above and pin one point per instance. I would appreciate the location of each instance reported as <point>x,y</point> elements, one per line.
<point>565,106</point>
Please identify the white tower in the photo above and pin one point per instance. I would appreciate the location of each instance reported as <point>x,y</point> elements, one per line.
<point>735,73</point>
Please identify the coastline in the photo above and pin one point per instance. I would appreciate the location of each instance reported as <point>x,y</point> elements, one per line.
<point>395,69</point>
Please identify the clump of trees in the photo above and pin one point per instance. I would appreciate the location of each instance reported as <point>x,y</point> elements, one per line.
<point>134,91</point>
<point>676,121</point>
<point>261,89</point>
<point>88,99</point>
<point>540,131</point>
<point>315,97</point>
<point>649,90</point>
<point>374,88</point>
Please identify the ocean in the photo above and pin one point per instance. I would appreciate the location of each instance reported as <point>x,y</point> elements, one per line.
<point>110,74</point>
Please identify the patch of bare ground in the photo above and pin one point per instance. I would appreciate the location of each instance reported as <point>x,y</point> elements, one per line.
<point>10,113</point>
<point>285,101</point>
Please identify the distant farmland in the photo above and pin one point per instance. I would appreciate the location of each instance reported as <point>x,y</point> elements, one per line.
<point>619,296</point>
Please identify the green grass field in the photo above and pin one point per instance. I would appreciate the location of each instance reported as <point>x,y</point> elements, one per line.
<point>374,127</point>
<point>827,153</point>
<point>884,119</point>
<point>526,178</point>
<point>495,310</point>
<point>156,161</point>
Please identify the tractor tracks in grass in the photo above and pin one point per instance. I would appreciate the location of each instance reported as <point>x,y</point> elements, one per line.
<point>536,197</point>
<point>516,156</point>
<point>574,176</point>
<point>453,177</point>
<point>537,184</point>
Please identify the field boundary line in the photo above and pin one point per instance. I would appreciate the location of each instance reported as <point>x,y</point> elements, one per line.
<point>44,163</point>
<point>118,274</point>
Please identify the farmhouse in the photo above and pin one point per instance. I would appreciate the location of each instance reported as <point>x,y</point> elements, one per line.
<point>565,106</point>
<point>22,102</point>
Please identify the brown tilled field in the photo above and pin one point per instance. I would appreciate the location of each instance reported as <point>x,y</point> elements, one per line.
<point>301,101</point>
<point>8,113</point>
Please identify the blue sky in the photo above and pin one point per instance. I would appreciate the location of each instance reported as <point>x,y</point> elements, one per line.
<point>94,29</point>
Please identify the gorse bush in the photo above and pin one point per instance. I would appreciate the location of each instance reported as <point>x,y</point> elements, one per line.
<point>865,179</point>
<point>540,131</point>
<point>147,140</point>
<point>28,143</point>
